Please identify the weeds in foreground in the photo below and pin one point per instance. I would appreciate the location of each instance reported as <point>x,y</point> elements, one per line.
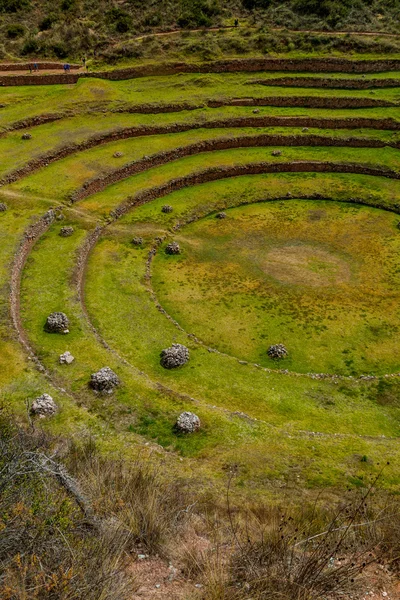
<point>308,554</point>
<point>68,530</point>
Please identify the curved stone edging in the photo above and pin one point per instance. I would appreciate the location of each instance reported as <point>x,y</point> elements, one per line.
<point>33,122</point>
<point>208,175</point>
<point>238,142</point>
<point>327,83</point>
<point>263,140</point>
<point>334,102</point>
<point>30,237</point>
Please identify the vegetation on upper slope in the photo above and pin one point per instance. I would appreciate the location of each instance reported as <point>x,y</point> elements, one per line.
<point>73,28</point>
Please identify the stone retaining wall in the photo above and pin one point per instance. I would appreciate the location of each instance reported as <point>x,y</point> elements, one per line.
<point>331,83</point>
<point>100,183</point>
<point>313,65</point>
<point>305,101</point>
<point>43,65</point>
<point>207,145</point>
<point>217,173</point>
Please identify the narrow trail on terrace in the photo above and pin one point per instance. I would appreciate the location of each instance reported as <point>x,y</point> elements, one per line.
<point>278,29</point>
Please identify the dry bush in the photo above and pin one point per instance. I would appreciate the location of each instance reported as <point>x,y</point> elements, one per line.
<point>307,553</point>
<point>152,508</point>
<point>51,545</point>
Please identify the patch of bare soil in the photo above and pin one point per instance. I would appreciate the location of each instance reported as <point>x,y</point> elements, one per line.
<point>157,578</point>
<point>306,265</point>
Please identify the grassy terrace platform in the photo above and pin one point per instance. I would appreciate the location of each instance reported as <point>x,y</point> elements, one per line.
<point>308,259</point>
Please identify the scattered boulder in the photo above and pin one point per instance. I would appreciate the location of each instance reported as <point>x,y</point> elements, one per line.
<point>277,351</point>
<point>3,207</point>
<point>173,248</point>
<point>57,322</point>
<point>43,406</point>
<point>104,380</point>
<point>137,241</point>
<point>66,358</point>
<point>220,215</point>
<point>276,153</point>
<point>175,356</point>
<point>167,208</point>
<point>256,111</point>
<point>118,154</point>
<point>66,231</point>
<point>26,136</point>
<point>187,422</point>
<point>304,129</point>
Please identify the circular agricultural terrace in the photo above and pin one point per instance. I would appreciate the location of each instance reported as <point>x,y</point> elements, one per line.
<point>282,212</point>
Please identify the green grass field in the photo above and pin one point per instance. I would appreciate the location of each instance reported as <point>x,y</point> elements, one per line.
<point>305,259</point>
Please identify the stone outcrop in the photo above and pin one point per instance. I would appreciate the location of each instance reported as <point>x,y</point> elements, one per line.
<point>173,248</point>
<point>57,322</point>
<point>187,422</point>
<point>26,136</point>
<point>220,215</point>
<point>66,231</point>
<point>277,351</point>
<point>43,406</point>
<point>66,358</point>
<point>104,381</point>
<point>175,356</point>
<point>167,208</point>
<point>276,152</point>
<point>137,241</point>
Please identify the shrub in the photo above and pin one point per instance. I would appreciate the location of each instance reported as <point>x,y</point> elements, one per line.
<point>31,46</point>
<point>67,5</point>
<point>60,50</point>
<point>46,23</point>
<point>197,13</point>
<point>15,31</point>
<point>12,6</point>
<point>49,548</point>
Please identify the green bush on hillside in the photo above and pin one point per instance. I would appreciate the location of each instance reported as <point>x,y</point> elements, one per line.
<point>15,31</point>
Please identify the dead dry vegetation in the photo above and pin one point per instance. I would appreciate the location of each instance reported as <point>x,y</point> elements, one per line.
<point>74,525</point>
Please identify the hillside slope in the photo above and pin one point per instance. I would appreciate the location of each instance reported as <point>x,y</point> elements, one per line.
<point>72,28</point>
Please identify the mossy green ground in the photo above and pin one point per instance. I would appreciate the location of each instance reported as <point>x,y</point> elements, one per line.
<point>284,430</point>
<point>320,277</point>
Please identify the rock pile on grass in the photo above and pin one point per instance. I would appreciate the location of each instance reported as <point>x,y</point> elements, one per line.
<point>26,136</point>
<point>3,207</point>
<point>66,231</point>
<point>220,215</point>
<point>104,381</point>
<point>118,154</point>
<point>137,241</point>
<point>175,356</point>
<point>167,208</point>
<point>277,351</point>
<point>66,358</point>
<point>173,248</point>
<point>276,153</point>
<point>187,422</point>
<point>43,406</point>
<point>57,322</point>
